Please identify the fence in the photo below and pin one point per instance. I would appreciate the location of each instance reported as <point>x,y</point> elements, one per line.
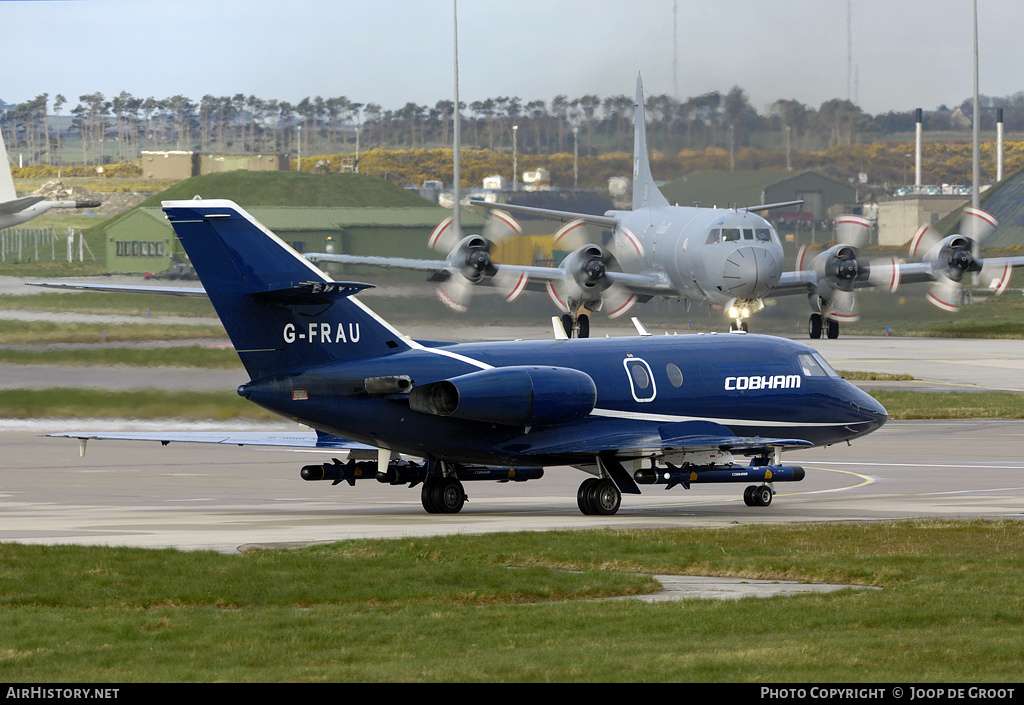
<point>24,244</point>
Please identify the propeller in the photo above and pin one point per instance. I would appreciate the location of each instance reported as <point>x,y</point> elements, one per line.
<point>469,260</point>
<point>839,269</point>
<point>956,255</point>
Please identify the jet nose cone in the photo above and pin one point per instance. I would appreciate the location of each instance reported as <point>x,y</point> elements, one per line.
<point>752,272</point>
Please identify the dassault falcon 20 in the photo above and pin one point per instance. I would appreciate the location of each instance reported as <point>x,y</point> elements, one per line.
<point>731,257</point>
<point>675,410</point>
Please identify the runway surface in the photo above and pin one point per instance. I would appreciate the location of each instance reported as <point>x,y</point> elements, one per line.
<point>227,498</point>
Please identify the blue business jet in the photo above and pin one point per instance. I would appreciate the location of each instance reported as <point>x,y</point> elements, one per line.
<point>645,410</point>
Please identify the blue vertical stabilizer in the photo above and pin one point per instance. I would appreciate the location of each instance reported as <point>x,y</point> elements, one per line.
<point>280,311</point>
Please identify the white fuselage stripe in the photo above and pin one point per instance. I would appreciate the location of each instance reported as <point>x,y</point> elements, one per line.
<point>638,416</point>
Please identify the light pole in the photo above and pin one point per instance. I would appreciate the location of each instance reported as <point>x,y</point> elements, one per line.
<point>515,156</point>
<point>575,156</point>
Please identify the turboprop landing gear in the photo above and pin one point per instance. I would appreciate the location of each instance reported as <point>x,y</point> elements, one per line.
<point>576,327</point>
<point>817,323</point>
<point>598,496</point>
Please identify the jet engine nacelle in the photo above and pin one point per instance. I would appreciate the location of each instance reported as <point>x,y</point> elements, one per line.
<point>512,396</point>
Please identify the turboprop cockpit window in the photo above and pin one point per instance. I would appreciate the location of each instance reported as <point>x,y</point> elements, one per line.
<point>730,234</point>
<point>713,237</point>
<point>810,367</point>
<point>763,234</point>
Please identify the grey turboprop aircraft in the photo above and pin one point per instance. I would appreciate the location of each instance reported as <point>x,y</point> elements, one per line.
<point>14,210</point>
<point>731,257</point>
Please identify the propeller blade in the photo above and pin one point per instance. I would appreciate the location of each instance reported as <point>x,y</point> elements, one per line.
<point>885,273</point>
<point>456,293</point>
<point>628,247</point>
<point>571,236</point>
<point>500,225</point>
<point>977,224</point>
<point>944,295</point>
<point>996,277</point>
<point>853,230</point>
<point>844,307</point>
<point>443,237</point>
<point>924,239</point>
<point>617,301</point>
<point>556,298</point>
<point>510,282</point>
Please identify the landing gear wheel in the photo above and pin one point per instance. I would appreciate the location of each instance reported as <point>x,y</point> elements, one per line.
<point>743,327</point>
<point>583,495</point>
<point>449,496</point>
<point>605,498</point>
<point>748,495</point>
<point>567,324</point>
<point>833,329</point>
<point>584,322</point>
<point>427,495</point>
<point>763,495</point>
<point>814,326</point>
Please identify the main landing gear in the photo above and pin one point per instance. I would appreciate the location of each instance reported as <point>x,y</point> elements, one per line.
<point>443,495</point>
<point>758,495</point>
<point>576,326</point>
<point>817,323</point>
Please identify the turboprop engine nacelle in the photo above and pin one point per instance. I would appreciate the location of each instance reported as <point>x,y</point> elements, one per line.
<point>512,396</point>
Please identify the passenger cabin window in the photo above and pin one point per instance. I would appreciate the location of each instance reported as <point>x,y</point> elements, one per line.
<point>675,375</point>
<point>641,380</point>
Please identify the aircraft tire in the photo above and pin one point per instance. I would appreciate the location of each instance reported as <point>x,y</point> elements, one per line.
<point>814,326</point>
<point>583,495</point>
<point>427,495</point>
<point>567,325</point>
<point>743,327</point>
<point>763,496</point>
<point>605,498</point>
<point>833,329</point>
<point>584,322</point>
<point>748,495</point>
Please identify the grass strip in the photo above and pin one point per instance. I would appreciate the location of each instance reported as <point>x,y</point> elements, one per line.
<point>521,607</point>
<point>73,403</point>
<point>951,405</point>
<point>184,356</point>
<point>46,332</point>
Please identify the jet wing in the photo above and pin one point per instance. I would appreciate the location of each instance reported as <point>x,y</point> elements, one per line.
<point>619,436</point>
<point>312,441</point>
<point>193,291</point>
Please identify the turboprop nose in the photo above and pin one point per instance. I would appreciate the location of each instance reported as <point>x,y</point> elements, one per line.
<point>751,272</point>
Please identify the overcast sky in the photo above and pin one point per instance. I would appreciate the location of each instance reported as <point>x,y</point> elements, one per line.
<point>906,53</point>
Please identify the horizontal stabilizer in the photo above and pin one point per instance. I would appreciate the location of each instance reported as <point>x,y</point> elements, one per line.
<point>240,438</point>
<point>312,293</point>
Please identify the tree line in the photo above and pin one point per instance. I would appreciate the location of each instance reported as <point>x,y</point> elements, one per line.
<point>115,130</point>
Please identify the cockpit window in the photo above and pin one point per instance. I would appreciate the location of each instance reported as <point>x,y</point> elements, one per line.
<point>730,234</point>
<point>814,365</point>
<point>809,366</point>
<point>714,236</point>
<point>748,234</point>
<point>825,366</point>
<point>763,234</point>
